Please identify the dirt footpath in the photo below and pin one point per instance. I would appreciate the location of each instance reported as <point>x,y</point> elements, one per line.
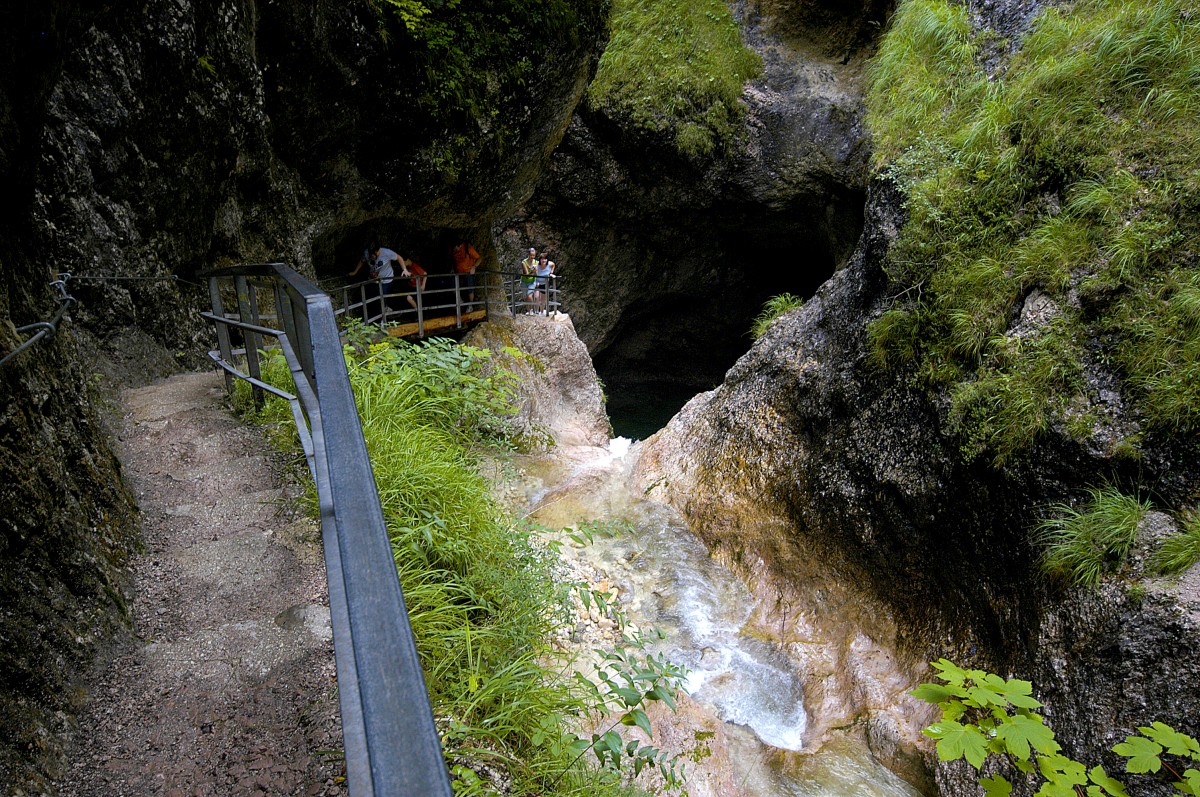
<point>227,687</point>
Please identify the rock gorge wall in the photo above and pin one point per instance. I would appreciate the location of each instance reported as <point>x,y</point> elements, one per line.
<point>666,259</point>
<point>151,140</point>
<point>819,474</point>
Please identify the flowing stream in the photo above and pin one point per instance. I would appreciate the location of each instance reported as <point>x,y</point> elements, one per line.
<point>667,580</point>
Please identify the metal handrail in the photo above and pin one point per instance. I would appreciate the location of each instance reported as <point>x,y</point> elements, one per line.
<point>44,329</point>
<point>362,300</point>
<point>391,743</point>
<point>516,293</point>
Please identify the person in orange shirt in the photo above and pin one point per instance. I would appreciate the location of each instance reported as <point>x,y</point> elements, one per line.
<point>466,260</point>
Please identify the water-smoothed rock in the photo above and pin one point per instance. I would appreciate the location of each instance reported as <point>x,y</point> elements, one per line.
<point>561,403</point>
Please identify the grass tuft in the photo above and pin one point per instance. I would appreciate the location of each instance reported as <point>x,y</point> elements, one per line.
<point>1083,544</point>
<point>1179,551</point>
<point>773,309</point>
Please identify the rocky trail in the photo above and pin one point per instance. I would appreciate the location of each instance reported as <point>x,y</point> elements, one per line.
<point>226,686</point>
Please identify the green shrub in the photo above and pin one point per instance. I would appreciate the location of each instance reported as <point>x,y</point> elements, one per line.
<point>773,309</point>
<point>1179,551</point>
<point>1074,170</point>
<point>1083,544</point>
<point>676,67</point>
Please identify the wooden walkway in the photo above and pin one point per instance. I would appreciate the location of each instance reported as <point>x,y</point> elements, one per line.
<point>436,324</point>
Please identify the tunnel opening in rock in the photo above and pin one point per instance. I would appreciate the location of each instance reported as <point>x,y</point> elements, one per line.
<point>667,346</point>
<point>336,253</point>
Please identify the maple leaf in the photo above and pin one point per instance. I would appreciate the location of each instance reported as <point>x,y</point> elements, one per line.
<point>1142,754</point>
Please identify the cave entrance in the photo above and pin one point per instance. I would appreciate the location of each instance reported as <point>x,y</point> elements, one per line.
<point>336,252</point>
<point>670,345</point>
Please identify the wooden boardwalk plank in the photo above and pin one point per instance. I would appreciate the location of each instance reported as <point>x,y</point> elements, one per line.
<point>435,324</point>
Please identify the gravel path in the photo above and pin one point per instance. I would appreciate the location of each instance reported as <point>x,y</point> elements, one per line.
<point>227,687</point>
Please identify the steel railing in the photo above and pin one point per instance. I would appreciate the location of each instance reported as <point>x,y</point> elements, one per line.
<point>416,307</point>
<point>531,297</point>
<point>434,296</point>
<point>391,743</point>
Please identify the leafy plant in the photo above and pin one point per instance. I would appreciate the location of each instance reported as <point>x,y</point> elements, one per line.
<point>1084,543</point>
<point>985,716</point>
<point>626,680</point>
<point>773,309</point>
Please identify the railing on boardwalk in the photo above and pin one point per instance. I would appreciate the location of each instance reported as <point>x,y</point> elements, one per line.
<point>412,307</point>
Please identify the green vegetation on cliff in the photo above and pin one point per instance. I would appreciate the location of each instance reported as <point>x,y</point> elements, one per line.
<point>775,307</point>
<point>1083,543</point>
<point>1053,208</point>
<point>472,64</point>
<point>676,68</point>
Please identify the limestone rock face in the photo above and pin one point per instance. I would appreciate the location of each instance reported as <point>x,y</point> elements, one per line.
<point>832,483</point>
<point>810,467</point>
<point>665,260</point>
<point>148,141</point>
<point>558,394</point>
<point>180,135</point>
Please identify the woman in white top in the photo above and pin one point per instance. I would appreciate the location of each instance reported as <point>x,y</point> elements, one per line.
<point>545,273</point>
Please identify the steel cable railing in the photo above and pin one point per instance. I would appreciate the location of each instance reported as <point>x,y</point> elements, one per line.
<point>391,743</point>
<point>44,329</point>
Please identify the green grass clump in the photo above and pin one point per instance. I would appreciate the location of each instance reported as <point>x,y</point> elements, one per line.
<point>1082,544</point>
<point>1072,171</point>
<point>1179,551</point>
<point>676,67</point>
<point>775,307</point>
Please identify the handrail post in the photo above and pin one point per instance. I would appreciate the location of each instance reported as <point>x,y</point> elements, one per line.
<point>223,344</point>
<point>487,302</point>
<point>248,311</point>
<point>457,300</point>
<point>420,310</point>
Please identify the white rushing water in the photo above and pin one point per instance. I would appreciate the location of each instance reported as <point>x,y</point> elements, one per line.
<point>668,581</point>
